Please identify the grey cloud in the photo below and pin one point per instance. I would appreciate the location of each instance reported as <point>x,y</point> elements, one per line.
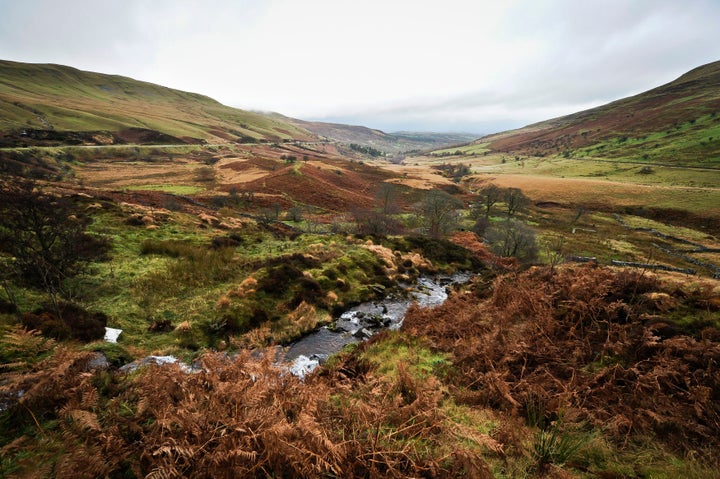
<point>584,53</point>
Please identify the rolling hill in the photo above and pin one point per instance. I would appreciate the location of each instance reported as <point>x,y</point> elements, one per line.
<point>54,104</point>
<point>674,124</point>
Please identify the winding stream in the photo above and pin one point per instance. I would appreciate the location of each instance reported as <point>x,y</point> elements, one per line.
<point>355,325</point>
<point>365,319</point>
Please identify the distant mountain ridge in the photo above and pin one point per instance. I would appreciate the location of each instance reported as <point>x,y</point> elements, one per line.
<point>393,143</point>
<point>56,103</point>
<point>676,123</point>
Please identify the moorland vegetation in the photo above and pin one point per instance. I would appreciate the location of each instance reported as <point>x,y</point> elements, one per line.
<point>553,361</point>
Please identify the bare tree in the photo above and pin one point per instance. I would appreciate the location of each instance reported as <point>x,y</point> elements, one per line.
<point>205,174</point>
<point>513,238</point>
<point>295,214</point>
<point>267,216</point>
<point>370,222</point>
<point>515,201</point>
<point>386,198</point>
<point>438,212</point>
<point>46,237</point>
<point>488,196</point>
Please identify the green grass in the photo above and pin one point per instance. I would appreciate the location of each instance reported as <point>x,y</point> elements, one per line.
<point>603,169</point>
<point>599,235</point>
<point>397,348</point>
<point>694,143</point>
<point>172,273</point>
<point>679,231</point>
<point>683,188</point>
<point>130,290</point>
<point>472,149</point>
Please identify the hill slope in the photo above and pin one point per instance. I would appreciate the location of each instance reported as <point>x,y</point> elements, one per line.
<point>40,99</point>
<point>677,123</point>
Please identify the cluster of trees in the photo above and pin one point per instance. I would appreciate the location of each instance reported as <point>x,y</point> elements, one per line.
<point>510,236</point>
<point>274,213</point>
<point>205,174</point>
<point>490,195</point>
<point>456,171</point>
<point>439,213</point>
<point>366,150</point>
<point>447,153</point>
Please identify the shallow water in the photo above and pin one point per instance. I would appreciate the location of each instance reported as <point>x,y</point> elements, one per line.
<point>365,319</point>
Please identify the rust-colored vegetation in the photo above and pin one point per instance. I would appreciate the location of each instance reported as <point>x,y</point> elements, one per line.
<point>522,376</point>
<point>554,371</point>
<point>617,350</point>
<point>235,417</point>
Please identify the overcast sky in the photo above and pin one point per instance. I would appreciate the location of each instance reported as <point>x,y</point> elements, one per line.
<point>450,65</point>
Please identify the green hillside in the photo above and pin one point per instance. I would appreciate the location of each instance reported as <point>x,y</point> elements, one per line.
<point>674,124</point>
<point>63,99</point>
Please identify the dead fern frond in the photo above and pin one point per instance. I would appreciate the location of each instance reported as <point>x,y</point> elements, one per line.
<point>90,398</point>
<point>164,472</point>
<point>83,462</point>
<point>463,432</point>
<point>579,342</point>
<point>20,348</point>
<point>85,419</point>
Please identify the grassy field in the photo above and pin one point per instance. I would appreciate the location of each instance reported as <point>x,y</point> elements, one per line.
<point>174,189</point>
<point>575,181</point>
<point>472,149</point>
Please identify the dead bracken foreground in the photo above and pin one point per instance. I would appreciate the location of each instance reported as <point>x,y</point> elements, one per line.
<point>569,358</point>
<point>620,351</point>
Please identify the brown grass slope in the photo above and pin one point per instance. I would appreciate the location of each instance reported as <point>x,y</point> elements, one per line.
<point>332,185</point>
<point>59,98</point>
<point>691,97</point>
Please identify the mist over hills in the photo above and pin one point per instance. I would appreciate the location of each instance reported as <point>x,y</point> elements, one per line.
<point>43,104</point>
